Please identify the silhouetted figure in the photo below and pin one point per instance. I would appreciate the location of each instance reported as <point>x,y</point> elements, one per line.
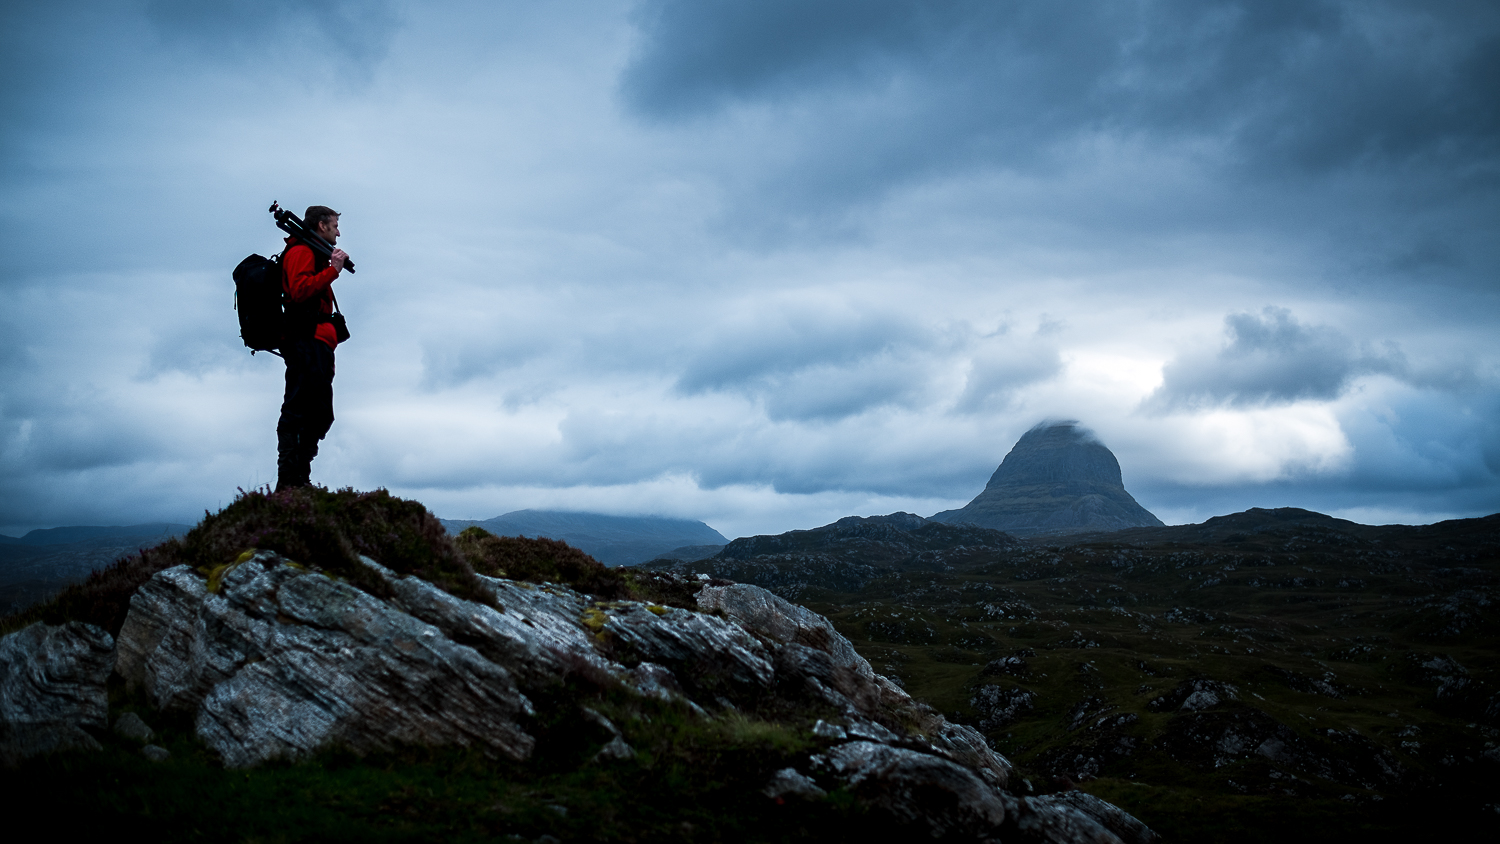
<point>307,407</point>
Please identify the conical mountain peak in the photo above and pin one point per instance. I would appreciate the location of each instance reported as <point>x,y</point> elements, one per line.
<point>1058,478</point>
<point>1058,452</point>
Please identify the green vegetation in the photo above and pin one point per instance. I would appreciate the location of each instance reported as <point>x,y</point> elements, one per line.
<point>1353,647</point>
<point>688,777</point>
<point>329,531</point>
<point>691,779</point>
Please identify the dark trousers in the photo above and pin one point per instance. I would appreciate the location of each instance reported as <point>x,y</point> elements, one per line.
<point>306,410</point>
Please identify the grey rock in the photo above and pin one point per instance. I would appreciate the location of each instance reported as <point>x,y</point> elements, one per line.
<point>616,750</point>
<point>130,726</point>
<point>1055,821</point>
<point>967,746</point>
<point>1195,695</point>
<point>657,681</point>
<point>780,621</point>
<point>284,661</point>
<point>598,720</point>
<point>179,639</point>
<point>787,782</point>
<point>860,728</point>
<point>810,672</point>
<point>823,729</point>
<point>928,795</point>
<point>279,661</point>
<point>843,677</point>
<point>709,646</point>
<point>535,631</point>
<point>1111,817</point>
<point>156,753</point>
<point>1200,700</point>
<point>998,706</point>
<point>51,687</point>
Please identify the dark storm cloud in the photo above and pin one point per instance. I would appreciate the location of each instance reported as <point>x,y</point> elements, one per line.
<point>1285,85</point>
<point>97,51</point>
<point>994,378</point>
<point>698,54</point>
<point>774,344</point>
<point>358,31</point>
<point>807,363</point>
<point>731,250</point>
<point>1270,358</point>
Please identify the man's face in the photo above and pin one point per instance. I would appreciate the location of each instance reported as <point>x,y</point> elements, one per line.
<point>329,229</point>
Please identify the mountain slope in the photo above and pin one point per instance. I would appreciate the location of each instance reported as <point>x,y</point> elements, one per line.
<point>1057,479</point>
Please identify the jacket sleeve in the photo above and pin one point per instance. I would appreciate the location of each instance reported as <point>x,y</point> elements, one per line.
<point>302,281</point>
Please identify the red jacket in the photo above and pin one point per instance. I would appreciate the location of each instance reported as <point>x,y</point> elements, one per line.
<point>308,276</point>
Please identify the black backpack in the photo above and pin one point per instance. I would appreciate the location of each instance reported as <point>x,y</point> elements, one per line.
<point>258,299</point>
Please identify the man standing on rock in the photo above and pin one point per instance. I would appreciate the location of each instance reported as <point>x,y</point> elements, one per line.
<point>307,407</point>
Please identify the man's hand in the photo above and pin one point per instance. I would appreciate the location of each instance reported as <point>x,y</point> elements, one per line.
<point>336,260</point>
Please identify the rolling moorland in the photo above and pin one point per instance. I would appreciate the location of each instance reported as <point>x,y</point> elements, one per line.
<point>1272,672</point>
<point>1267,673</point>
<point>40,564</point>
<point>313,665</point>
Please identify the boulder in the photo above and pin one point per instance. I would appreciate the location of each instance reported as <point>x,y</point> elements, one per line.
<point>1195,695</point>
<point>928,796</point>
<point>783,622</point>
<point>1121,823</point>
<point>130,726</point>
<point>274,660</point>
<point>1055,820</point>
<point>284,661</point>
<point>700,648</point>
<point>787,782</point>
<point>51,688</point>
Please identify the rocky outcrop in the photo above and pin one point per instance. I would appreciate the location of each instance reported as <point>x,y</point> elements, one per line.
<point>928,795</point>
<point>1118,822</point>
<point>280,661</point>
<point>51,688</point>
<point>274,660</point>
<point>1057,479</point>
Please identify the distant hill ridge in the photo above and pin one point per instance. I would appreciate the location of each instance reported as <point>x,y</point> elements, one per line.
<point>845,555</point>
<point>35,566</point>
<point>612,540</point>
<point>1057,479</point>
<point>84,533</point>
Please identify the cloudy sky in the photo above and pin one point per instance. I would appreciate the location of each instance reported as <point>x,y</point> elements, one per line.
<point>762,263</point>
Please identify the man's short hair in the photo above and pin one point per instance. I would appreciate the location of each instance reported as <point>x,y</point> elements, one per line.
<point>316,215</point>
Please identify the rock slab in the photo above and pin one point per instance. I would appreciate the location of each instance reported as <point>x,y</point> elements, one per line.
<point>51,688</point>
